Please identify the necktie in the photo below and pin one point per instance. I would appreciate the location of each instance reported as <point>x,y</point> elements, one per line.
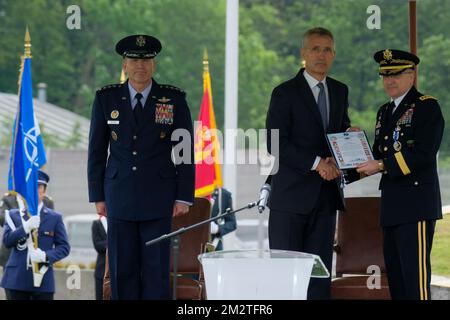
<point>138,108</point>
<point>322,103</point>
<point>390,111</point>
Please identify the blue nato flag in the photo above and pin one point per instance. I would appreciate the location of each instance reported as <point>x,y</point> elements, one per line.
<point>27,150</point>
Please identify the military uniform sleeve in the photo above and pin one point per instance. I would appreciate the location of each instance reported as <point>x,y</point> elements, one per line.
<point>12,237</point>
<point>278,118</point>
<point>97,152</point>
<point>428,131</point>
<point>184,162</point>
<point>61,244</point>
<point>2,211</point>
<point>8,202</point>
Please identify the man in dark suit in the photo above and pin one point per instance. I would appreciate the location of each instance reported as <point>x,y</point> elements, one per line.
<point>137,184</point>
<point>222,199</point>
<point>306,190</point>
<point>53,246</point>
<point>408,134</point>
<point>100,241</point>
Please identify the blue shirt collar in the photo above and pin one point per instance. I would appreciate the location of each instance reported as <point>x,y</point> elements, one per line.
<point>145,93</point>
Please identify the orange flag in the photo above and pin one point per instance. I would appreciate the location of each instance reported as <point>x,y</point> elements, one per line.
<point>206,144</point>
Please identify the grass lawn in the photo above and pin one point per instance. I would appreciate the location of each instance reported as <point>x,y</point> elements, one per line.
<point>440,253</point>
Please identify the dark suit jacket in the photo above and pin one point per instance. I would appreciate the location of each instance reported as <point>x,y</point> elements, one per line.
<point>100,240</point>
<point>137,177</point>
<point>294,112</point>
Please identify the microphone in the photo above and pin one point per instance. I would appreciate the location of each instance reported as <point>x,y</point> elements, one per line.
<point>264,194</point>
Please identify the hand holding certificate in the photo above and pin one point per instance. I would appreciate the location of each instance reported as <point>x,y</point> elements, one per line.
<point>349,149</point>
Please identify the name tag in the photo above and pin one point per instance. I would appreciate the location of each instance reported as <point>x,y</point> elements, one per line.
<point>113,121</point>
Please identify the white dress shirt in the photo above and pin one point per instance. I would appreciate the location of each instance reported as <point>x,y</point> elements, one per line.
<point>313,82</point>
<point>398,100</point>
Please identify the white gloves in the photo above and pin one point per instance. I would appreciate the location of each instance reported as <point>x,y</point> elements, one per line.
<point>32,223</point>
<point>214,228</point>
<point>37,255</point>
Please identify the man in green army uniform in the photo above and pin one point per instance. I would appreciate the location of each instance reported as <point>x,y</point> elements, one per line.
<point>408,134</point>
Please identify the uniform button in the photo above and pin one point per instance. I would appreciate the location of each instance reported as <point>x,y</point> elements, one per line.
<point>134,168</point>
<point>134,137</point>
<point>401,134</point>
<point>134,153</point>
<point>386,137</point>
<point>385,172</point>
<point>385,148</point>
<point>416,183</point>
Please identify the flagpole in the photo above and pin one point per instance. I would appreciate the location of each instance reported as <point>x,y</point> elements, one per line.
<point>231,93</point>
<point>214,136</point>
<point>37,276</point>
<point>206,141</point>
<point>27,53</point>
<point>413,34</point>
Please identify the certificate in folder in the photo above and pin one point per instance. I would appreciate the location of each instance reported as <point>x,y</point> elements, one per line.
<point>349,149</point>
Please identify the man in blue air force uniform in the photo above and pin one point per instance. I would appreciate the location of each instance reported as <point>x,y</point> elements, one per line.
<point>52,247</point>
<point>137,185</point>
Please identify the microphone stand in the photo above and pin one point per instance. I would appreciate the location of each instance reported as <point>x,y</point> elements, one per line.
<point>175,236</point>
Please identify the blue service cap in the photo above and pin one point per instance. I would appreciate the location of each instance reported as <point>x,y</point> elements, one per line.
<point>43,178</point>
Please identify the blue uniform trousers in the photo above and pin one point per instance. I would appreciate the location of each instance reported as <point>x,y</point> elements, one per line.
<point>138,271</point>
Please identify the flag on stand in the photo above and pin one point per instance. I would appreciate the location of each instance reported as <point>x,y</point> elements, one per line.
<point>208,176</point>
<point>27,149</point>
<point>27,154</point>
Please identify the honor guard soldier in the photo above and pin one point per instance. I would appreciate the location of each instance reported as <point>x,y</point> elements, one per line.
<point>221,202</point>
<point>408,134</point>
<point>53,246</point>
<point>132,177</point>
<point>12,201</point>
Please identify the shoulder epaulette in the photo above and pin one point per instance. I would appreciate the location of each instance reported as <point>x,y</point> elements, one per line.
<point>426,97</point>
<point>111,86</point>
<point>166,86</point>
